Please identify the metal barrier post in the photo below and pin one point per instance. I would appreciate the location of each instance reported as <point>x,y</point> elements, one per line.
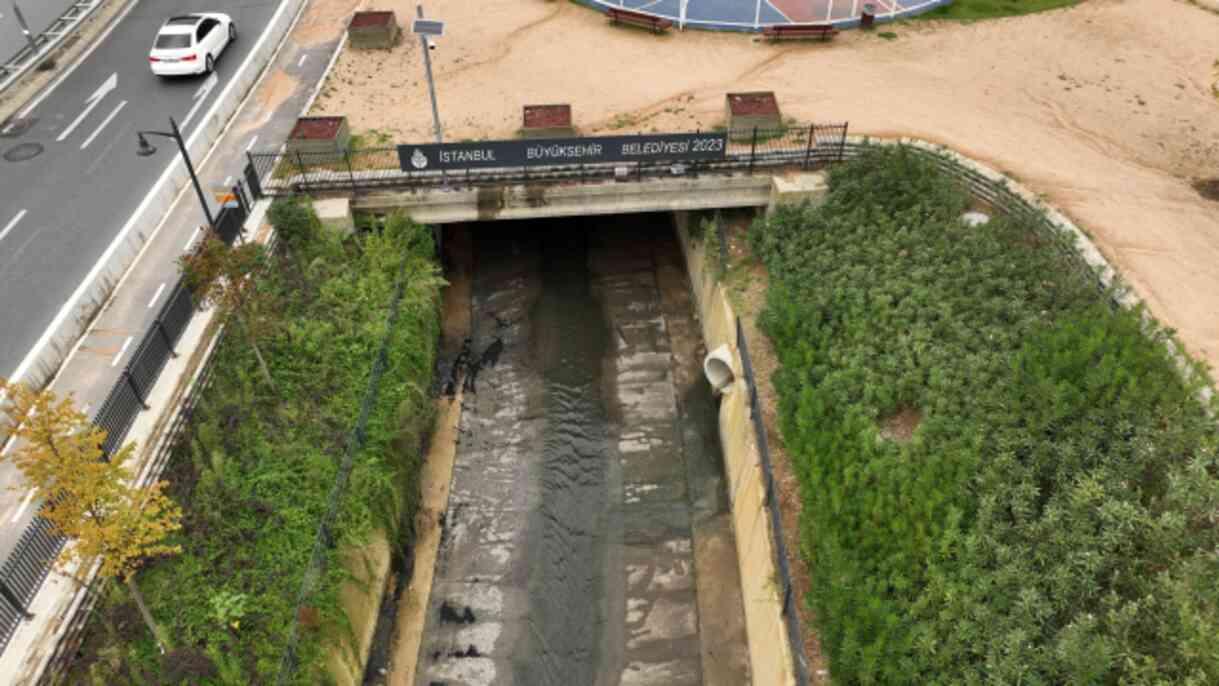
<point>13,600</point>
<point>300,162</point>
<point>245,211</point>
<point>135,388</point>
<point>160,326</point>
<point>808,151</point>
<point>350,173</point>
<point>842,141</point>
<point>753,148</point>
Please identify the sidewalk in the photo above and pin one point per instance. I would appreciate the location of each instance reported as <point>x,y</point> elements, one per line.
<point>264,120</point>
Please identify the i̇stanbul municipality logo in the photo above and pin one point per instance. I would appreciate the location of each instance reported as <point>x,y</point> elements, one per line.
<point>418,159</point>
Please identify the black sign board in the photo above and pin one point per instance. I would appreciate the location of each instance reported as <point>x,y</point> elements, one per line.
<point>427,27</point>
<point>558,151</point>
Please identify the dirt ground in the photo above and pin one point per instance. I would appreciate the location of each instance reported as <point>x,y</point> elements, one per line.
<point>1109,109</point>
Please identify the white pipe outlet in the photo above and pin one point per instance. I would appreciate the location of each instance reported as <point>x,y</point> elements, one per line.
<point>717,366</point>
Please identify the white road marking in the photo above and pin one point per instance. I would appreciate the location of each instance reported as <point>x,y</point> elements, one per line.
<point>106,121</point>
<point>97,42</point>
<point>9,227</point>
<point>156,295</point>
<point>199,97</point>
<point>122,350</point>
<point>252,142</point>
<point>107,86</point>
<point>191,240</point>
<point>24,504</point>
<point>301,63</point>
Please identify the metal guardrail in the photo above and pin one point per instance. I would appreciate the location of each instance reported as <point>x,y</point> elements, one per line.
<point>293,173</point>
<point>46,42</point>
<point>25,569</point>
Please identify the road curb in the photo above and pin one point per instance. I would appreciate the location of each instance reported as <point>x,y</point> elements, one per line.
<point>41,365</point>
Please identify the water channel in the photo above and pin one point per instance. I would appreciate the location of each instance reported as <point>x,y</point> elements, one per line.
<point>587,537</point>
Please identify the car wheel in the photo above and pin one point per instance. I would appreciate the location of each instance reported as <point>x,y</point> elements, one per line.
<point>232,32</point>
<point>209,65</point>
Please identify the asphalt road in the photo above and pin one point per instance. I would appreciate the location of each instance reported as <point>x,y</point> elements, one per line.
<point>61,209</point>
<point>39,14</point>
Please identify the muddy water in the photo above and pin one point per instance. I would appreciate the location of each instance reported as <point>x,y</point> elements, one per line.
<point>587,539</point>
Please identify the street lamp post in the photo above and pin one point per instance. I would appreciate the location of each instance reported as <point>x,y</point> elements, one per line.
<point>147,149</point>
<point>25,28</point>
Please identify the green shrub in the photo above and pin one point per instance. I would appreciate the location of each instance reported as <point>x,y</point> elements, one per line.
<point>1051,519</point>
<point>255,469</point>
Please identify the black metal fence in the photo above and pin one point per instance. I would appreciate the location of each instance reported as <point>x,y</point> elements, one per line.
<point>291,173</point>
<point>31,560</point>
<point>786,588</point>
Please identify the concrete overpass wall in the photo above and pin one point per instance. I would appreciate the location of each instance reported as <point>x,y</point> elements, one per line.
<point>531,201</point>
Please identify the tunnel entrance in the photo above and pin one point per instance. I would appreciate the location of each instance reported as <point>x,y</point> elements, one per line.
<point>587,538</point>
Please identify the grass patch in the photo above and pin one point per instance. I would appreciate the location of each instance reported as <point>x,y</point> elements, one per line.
<point>970,10</point>
<point>255,467</point>
<point>1003,479</point>
<point>887,35</point>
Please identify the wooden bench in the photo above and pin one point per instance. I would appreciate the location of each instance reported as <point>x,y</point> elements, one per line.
<point>799,31</point>
<point>618,15</point>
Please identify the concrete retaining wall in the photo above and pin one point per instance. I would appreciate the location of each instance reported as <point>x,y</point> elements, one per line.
<point>52,349</point>
<point>488,203</point>
<point>361,598</point>
<point>770,653</point>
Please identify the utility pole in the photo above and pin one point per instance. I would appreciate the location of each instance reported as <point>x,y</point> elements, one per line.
<point>25,28</point>
<point>431,85</point>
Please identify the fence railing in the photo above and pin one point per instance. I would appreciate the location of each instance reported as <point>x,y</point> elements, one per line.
<point>28,565</point>
<point>791,617</point>
<point>291,173</point>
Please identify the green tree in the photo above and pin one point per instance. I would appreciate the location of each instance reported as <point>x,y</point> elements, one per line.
<point>92,501</point>
<point>223,277</point>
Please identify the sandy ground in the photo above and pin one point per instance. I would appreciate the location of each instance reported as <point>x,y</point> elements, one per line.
<point>1109,109</point>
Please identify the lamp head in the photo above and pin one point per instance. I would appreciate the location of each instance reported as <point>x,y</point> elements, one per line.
<point>146,149</point>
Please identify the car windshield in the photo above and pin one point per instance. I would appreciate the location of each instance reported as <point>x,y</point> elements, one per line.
<point>173,40</point>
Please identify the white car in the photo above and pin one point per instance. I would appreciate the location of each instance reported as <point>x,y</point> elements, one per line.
<point>191,43</point>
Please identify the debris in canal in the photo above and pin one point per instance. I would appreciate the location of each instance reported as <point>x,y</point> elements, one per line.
<point>463,357</point>
<point>449,614</point>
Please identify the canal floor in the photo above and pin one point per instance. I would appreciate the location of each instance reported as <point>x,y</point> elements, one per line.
<point>587,538</point>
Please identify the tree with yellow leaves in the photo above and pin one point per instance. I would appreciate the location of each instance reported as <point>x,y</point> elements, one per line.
<point>93,502</point>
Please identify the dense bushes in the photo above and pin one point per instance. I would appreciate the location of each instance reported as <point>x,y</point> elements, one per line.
<point>255,470</point>
<point>1052,519</point>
